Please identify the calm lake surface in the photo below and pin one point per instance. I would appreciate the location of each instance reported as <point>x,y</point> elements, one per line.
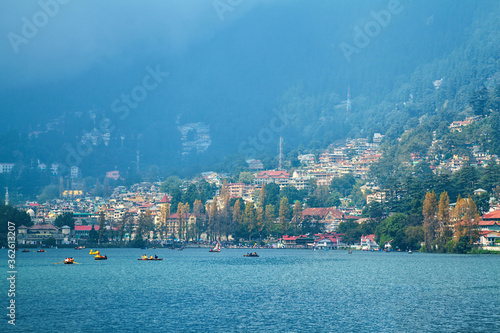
<point>281,291</point>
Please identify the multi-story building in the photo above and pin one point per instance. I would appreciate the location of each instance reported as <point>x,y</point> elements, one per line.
<point>75,172</point>
<point>271,176</point>
<point>255,164</point>
<point>240,190</point>
<point>6,167</point>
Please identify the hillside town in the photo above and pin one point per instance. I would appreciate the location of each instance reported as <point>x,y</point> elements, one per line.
<point>119,216</point>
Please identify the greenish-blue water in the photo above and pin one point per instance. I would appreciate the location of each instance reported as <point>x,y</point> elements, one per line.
<point>281,291</point>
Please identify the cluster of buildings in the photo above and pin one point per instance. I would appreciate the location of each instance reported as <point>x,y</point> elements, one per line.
<point>439,162</point>
<point>54,169</point>
<point>145,198</point>
<point>131,203</point>
<point>195,137</point>
<point>458,125</point>
<point>134,201</point>
<point>327,241</point>
<point>354,157</point>
<point>489,231</point>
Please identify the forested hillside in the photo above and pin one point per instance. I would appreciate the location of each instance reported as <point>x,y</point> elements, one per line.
<point>416,73</point>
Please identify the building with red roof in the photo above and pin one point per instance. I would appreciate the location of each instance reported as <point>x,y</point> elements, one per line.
<point>272,176</point>
<point>329,217</point>
<point>302,241</point>
<point>368,242</point>
<point>82,231</point>
<point>330,241</point>
<point>488,238</point>
<point>490,221</point>
<point>165,200</point>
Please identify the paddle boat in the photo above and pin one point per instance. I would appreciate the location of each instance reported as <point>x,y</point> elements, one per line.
<point>99,257</point>
<point>79,247</point>
<point>93,252</point>
<point>41,250</point>
<point>251,255</point>
<point>146,258</point>
<point>25,250</point>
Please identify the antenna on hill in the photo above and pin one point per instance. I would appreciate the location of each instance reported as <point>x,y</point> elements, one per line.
<point>137,161</point>
<point>348,103</point>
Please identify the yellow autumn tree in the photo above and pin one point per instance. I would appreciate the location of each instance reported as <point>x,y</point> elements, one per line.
<point>430,220</point>
<point>165,214</point>
<point>466,218</point>
<point>249,219</point>
<point>445,227</point>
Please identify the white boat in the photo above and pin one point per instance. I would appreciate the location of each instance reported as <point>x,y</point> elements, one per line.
<point>216,247</point>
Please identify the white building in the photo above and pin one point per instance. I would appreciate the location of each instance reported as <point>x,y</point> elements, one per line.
<point>54,168</point>
<point>6,167</point>
<point>75,172</point>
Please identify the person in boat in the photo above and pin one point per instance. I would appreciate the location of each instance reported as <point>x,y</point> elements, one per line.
<point>156,257</point>
<point>150,257</point>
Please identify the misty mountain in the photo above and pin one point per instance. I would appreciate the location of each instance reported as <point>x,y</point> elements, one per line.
<point>239,79</point>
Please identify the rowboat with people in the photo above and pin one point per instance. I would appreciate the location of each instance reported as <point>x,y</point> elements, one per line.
<point>69,261</point>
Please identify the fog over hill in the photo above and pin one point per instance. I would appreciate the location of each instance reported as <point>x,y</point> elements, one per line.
<point>184,84</point>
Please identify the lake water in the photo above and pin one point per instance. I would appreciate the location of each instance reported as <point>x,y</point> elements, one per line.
<point>281,291</point>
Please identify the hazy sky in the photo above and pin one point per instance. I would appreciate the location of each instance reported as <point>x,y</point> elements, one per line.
<point>230,62</point>
<point>53,40</point>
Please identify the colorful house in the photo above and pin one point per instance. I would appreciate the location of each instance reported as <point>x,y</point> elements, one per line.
<point>489,238</point>
<point>368,242</point>
<point>329,241</point>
